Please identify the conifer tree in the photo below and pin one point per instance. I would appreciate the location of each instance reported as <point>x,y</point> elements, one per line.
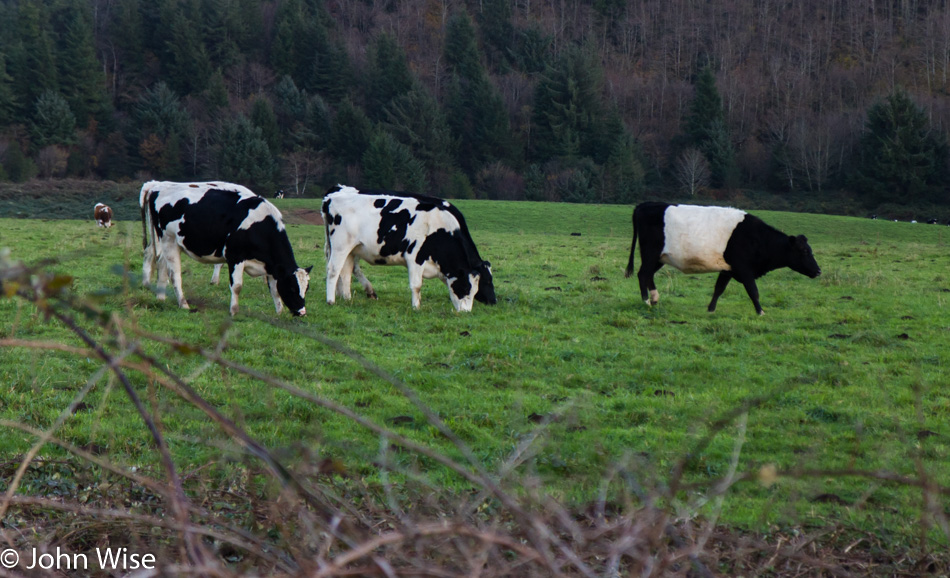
<point>8,103</point>
<point>81,79</point>
<point>263,117</point>
<point>389,164</point>
<point>705,129</point>
<point>474,109</point>
<point>388,76</point>
<point>416,121</point>
<point>244,157</point>
<point>33,64</point>
<point>53,122</point>
<point>350,134</point>
<point>901,156</point>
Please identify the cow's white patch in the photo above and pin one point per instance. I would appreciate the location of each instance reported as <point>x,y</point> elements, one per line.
<point>696,237</point>
<point>260,213</point>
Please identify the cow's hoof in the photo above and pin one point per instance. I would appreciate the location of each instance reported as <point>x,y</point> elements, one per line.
<point>372,296</point>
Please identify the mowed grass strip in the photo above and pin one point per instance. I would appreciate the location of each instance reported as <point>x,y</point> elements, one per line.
<point>846,372</point>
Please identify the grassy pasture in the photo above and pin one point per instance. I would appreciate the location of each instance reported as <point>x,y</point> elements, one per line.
<point>848,372</point>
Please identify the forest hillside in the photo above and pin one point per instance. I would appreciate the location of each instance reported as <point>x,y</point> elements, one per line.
<point>568,100</point>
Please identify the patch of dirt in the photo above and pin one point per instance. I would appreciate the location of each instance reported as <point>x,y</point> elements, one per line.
<point>302,217</point>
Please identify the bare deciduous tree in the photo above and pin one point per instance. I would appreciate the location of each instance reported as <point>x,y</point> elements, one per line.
<point>692,171</point>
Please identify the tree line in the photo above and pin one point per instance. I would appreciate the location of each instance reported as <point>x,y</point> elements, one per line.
<point>577,100</point>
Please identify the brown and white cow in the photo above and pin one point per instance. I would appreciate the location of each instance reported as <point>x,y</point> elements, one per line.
<point>103,215</point>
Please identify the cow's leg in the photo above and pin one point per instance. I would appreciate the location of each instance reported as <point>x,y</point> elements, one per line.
<point>148,263</point>
<point>721,282</point>
<point>367,286</point>
<point>748,281</point>
<point>272,285</point>
<point>162,282</point>
<point>173,265</point>
<point>346,278</point>
<point>215,277</point>
<point>415,284</point>
<point>336,261</point>
<point>236,271</point>
<point>648,291</point>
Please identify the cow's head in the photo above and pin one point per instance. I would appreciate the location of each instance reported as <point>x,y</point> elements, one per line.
<point>486,285</point>
<point>800,258</point>
<point>292,289</point>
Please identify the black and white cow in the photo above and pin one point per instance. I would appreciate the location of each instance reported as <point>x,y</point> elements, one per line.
<point>426,234</point>
<point>219,223</point>
<point>697,239</point>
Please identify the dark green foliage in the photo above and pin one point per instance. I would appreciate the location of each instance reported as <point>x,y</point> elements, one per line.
<point>159,111</point>
<point>705,129</point>
<point>624,172</point>
<point>389,164</point>
<point>188,66</point>
<point>388,76</point>
<point>570,117</point>
<point>475,111</point>
<point>497,32</point>
<point>902,157</point>
<point>8,103</point>
<point>216,95</point>
<point>244,156</point>
<point>350,134</point>
<point>416,120</point>
<point>53,122</point>
<point>533,50</point>
<point>81,79</point>
<point>263,117</point>
<point>18,167</point>
<point>32,63</point>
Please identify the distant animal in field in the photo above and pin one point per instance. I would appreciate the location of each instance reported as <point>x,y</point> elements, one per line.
<point>219,222</point>
<point>279,194</point>
<point>425,234</point>
<point>874,216</point>
<point>932,221</point>
<point>698,239</point>
<point>102,213</point>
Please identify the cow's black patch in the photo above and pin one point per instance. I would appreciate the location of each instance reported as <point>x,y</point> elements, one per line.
<point>462,287</point>
<point>379,203</point>
<point>393,225</point>
<point>337,219</point>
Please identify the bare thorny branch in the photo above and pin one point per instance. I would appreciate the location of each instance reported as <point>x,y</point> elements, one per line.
<point>538,536</point>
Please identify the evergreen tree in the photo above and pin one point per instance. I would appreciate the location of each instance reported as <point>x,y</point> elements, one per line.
<point>416,121</point>
<point>570,118</point>
<point>128,37</point>
<point>497,31</point>
<point>350,134</point>
<point>8,103</point>
<point>705,129</point>
<point>53,122</point>
<point>389,164</point>
<point>216,95</point>
<point>901,157</point>
<point>18,166</point>
<point>186,64</point>
<point>475,111</point>
<point>33,64</point>
<point>81,79</point>
<point>263,117</point>
<point>160,122</point>
<point>388,75</point>
<point>244,157</point>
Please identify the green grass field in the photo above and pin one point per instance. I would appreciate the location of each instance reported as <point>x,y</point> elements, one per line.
<point>848,372</point>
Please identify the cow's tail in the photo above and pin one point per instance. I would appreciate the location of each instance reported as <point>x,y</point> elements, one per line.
<point>633,246</point>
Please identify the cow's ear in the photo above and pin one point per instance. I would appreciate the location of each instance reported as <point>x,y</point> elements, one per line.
<point>308,269</point>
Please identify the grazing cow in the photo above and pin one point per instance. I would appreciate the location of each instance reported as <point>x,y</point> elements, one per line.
<point>707,239</point>
<point>931,221</point>
<point>219,223</point>
<point>103,215</point>
<point>427,235</point>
